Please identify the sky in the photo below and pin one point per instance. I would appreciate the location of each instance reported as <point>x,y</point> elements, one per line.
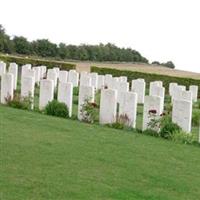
<point>160,30</point>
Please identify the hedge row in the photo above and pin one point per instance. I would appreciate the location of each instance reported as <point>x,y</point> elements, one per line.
<point>36,62</point>
<point>148,77</point>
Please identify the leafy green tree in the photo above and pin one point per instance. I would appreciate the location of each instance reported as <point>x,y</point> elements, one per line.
<point>169,64</point>
<point>22,45</point>
<point>45,48</point>
<point>6,45</point>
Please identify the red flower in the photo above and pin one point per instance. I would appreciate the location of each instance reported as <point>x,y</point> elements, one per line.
<point>152,111</point>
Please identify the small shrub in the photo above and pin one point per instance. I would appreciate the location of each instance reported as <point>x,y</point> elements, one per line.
<point>195,117</point>
<point>25,103</point>
<point>56,108</point>
<point>122,122</point>
<point>182,137</point>
<point>167,127</point>
<point>89,111</point>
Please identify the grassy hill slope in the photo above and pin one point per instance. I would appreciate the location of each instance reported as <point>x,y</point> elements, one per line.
<point>43,157</point>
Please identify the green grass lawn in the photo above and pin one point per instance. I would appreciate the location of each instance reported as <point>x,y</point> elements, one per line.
<point>48,158</point>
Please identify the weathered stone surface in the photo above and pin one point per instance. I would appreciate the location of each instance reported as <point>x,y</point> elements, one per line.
<point>94,79</point>
<point>86,93</point>
<point>85,79</point>
<point>128,109</point>
<point>13,69</point>
<point>115,83</point>
<point>6,87</point>
<point>43,71</point>
<point>108,106</point>
<point>138,86</point>
<point>154,83</point>
<point>182,114</point>
<point>108,80</point>
<point>100,82</point>
<point>24,69</point>
<point>73,77</point>
<point>27,89</point>
<point>171,88</point>
<point>37,74</point>
<point>121,89</point>
<point>123,78</point>
<point>46,93</point>
<point>27,86</point>
<point>63,76</point>
<point>2,68</point>
<point>65,95</point>
<point>194,90</point>
<point>52,75</point>
<point>152,109</point>
<point>160,92</point>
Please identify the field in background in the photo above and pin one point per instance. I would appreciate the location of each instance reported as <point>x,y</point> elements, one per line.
<point>85,66</point>
<point>45,158</point>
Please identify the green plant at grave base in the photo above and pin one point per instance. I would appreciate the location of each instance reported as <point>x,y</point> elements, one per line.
<point>25,103</point>
<point>182,137</point>
<point>75,91</point>
<point>162,124</point>
<point>196,117</point>
<point>89,111</point>
<point>122,122</point>
<point>168,128</point>
<point>56,108</point>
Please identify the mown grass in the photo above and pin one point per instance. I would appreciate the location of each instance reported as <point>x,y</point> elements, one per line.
<point>44,157</point>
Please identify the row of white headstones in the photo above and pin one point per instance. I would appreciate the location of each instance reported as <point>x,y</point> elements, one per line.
<point>113,90</point>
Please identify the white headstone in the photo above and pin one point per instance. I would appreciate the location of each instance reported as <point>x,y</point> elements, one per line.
<point>27,86</point>
<point>85,80</point>
<point>85,93</point>
<point>177,92</point>
<point>108,106</point>
<point>24,69</point>
<point>65,95</point>
<point>123,78</point>
<point>154,83</point>
<point>2,68</point>
<point>73,77</point>
<point>63,75</point>
<point>57,70</point>
<point>160,92</point>
<point>7,87</point>
<point>128,108</point>
<point>29,72</point>
<point>114,84</point>
<point>152,108</point>
<point>100,82</point>
<point>121,89</point>
<point>171,88</point>
<point>43,70</point>
<point>94,79</point>
<point>182,114</point>
<point>46,93</point>
<point>108,80</point>
<point>37,74</point>
<point>13,69</point>
<point>52,75</point>
<point>194,90</point>
<point>138,86</point>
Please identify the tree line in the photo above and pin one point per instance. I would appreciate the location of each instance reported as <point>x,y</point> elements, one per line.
<point>45,48</point>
